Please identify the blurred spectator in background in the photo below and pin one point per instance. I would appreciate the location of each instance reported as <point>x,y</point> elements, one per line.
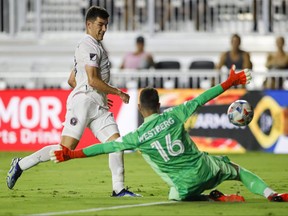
<point>235,56</point>
<point>277,60</point>
<point>139,59</point>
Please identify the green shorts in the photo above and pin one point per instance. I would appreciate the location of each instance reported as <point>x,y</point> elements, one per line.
<point>209,172</point>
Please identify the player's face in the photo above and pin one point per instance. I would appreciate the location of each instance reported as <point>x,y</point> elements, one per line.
<point>97,28</point>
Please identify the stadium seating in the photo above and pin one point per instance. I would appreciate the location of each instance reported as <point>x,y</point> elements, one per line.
<point>167,66</point>
<point>198,65</point>
<point>203,64</point>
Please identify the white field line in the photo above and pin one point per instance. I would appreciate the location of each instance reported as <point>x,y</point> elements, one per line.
<point>102,209</point>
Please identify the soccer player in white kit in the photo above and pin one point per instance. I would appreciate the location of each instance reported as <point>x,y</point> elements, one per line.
<point>87,104</point>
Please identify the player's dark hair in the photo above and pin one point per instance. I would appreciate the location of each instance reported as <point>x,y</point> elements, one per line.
<point>94,11</point>
<point>149,99</point>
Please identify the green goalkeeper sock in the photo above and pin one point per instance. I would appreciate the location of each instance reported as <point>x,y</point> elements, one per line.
<point>254,183</point>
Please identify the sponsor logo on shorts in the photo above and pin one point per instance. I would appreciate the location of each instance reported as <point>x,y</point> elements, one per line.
<point>92,57</point>
<point>73,121</point>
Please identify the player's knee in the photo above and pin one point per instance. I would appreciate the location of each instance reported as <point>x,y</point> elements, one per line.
<point>43,155</point>
<point>237,168</point>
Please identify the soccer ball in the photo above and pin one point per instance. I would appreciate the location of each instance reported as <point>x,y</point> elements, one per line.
<point>240,113</point>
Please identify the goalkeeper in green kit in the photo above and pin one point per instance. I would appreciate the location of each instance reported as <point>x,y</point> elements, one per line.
<point>168,148</point>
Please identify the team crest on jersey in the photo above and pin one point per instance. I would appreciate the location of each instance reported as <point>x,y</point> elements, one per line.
<point>73,121</point>
<point>92,57</point>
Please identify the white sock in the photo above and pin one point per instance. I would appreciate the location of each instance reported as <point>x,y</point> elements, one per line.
<point>40,156</point>
<point>116,165</point>
<point>268,191</point>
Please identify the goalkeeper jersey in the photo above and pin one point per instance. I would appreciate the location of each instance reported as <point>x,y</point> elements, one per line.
<point>168,148</point>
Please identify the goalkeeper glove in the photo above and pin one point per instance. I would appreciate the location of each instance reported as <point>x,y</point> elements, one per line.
<point>65,154</point>
<point>237,78</point>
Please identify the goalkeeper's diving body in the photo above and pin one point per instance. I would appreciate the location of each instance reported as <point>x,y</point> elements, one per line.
<point>168,148</point>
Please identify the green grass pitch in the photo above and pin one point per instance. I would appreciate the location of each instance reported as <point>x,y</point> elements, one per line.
<point>86,184</point>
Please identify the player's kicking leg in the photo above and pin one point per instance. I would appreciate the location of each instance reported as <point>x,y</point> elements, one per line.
<point>14,173</point>
<point>18,165</point>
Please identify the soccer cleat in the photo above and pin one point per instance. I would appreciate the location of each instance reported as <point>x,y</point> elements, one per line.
<point>14,173</point>
<point>125,193</point>
<point>278,197</point>
<point>216,195</point>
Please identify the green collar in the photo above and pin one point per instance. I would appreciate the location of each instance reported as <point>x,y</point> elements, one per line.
<point>151,117</point>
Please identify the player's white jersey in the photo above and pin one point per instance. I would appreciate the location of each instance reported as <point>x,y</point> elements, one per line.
<point>91,52</point>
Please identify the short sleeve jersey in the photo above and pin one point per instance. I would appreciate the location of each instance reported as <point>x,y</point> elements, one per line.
<point>167,147</point>
<point>91,52</point>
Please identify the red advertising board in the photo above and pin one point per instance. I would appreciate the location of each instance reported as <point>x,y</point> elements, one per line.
<point>31,119</point>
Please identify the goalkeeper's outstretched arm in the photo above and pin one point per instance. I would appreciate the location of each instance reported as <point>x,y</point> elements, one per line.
<point>117,145</point>
<point>235,78</point>
<point>184,111</point>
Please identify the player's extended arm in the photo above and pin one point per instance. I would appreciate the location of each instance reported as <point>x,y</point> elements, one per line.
<point>234,79</point>
<point>65,154</point>
<point>95,81</point>
<point>184,111</point>
<point>237,78</point>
